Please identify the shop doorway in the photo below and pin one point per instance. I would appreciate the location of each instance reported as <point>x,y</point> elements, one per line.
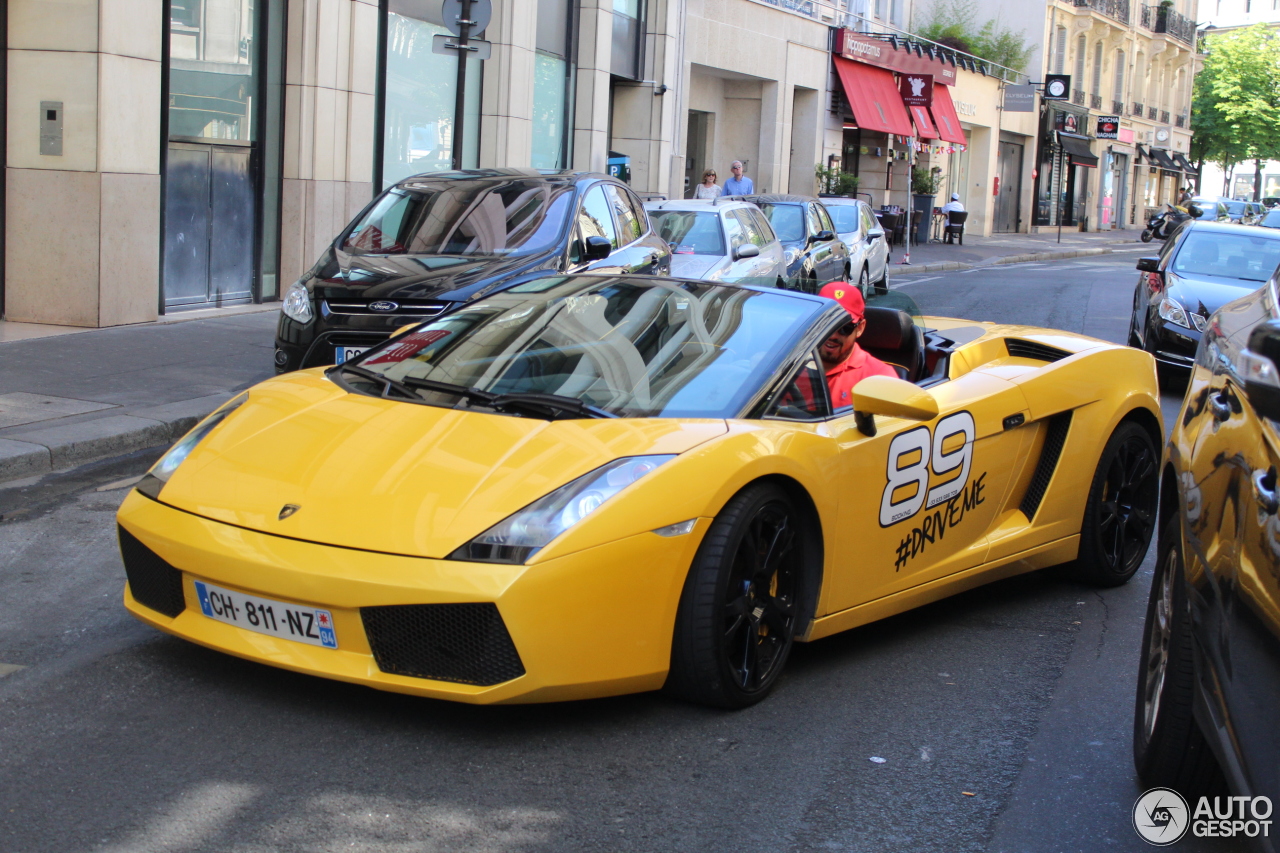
<point>1008,212</point>
<point>695,155</point>
<point>210,224</point>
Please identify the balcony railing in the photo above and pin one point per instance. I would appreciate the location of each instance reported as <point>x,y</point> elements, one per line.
<point>1136,109</point>
<point>1164,116</point>
<point>1095,101</point>
<point>1161,19</point>
<point>1152,112</point>
<point>1117,107</point>
<point>1118,9</point>
<point>1077,96</point>
<point>1181,121</point>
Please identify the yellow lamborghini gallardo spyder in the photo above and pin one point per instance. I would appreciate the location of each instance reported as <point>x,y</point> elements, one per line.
<point>585,486</point>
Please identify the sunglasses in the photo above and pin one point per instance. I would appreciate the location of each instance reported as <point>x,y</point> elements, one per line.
<point>848,328</point>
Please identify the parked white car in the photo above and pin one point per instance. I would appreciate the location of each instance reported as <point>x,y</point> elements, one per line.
<point>856,225</point>
<point>714,240</point>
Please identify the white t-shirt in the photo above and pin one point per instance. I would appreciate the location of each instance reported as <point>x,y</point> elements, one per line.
<point>953,205</point>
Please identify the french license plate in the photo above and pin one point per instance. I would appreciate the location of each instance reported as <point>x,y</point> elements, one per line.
<point>309,625</point>
<point>342,354</point>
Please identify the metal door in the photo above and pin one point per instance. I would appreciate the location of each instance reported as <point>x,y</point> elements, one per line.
<point>1009,198</point>
<point>209,221</point>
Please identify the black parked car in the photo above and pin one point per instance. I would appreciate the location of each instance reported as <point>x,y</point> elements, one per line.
<point>434,241</point>
<point>1209,679</point>
<point>1201,267</point>
<point>813,253</point>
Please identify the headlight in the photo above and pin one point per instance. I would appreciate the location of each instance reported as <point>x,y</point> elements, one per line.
<point>1172,312</point>
<point>790,255</point>
<point>520,536</point>
<point>153,481</point>
<point>297,303</point>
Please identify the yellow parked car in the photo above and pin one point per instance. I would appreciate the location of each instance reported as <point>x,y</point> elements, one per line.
<point>586,486</point>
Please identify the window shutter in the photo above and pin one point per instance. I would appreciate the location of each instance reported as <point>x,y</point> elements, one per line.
<point>1060,60</point>
<point>1119,84</point>
<point>1078,81</point>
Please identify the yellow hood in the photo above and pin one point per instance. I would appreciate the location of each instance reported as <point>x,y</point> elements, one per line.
<point>391,476</point>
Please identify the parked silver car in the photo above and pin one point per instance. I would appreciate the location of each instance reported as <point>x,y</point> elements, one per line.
<point>714,240</point>
<point>857,227</point>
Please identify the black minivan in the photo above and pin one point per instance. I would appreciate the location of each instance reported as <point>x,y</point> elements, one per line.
<point>431,242</point>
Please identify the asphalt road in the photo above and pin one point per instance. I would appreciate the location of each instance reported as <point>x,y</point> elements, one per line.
<point>1003,715</point>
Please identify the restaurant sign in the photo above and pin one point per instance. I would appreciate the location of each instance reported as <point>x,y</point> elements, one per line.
<point>916,89</point>
<point>883,54</point>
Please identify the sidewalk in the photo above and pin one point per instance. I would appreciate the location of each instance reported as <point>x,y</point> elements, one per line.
<point>70,396</point>
<point>1011,248</point>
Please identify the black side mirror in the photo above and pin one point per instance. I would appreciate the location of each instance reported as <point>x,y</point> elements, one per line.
<point>597,248</point>
<point>823,237</point>
<point>1262,370</point>
<point>1148,265</point>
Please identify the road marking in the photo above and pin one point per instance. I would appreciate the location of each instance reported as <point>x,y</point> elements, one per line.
<point>918,280</point>
<point>9,668</point>
<point>119,484</point>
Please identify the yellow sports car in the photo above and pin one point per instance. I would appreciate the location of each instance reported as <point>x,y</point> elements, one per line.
<point>586,486</point>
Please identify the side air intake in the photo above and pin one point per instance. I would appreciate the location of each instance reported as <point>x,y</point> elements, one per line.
<point>1031,349</point>
<point>1055,437</point>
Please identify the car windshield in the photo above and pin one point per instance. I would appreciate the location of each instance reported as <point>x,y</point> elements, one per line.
<point>845,216</point>
<point>633,347</point>
<point>689,232</point>
<point>1271,220</point>
<point>1235,208</point>
<point>1252,257</point>
<point>787,221</point>
<point>514,217</point>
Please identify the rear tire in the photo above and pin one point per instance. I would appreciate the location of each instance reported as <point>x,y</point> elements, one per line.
<point>1120,514</point>
<point>1169,750</point>
<point>882,286</point>
<point>739,609</point>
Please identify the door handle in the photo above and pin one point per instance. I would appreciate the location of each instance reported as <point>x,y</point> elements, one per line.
<point>1264,489</point>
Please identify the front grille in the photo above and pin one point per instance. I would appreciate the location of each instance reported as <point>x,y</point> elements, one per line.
<point>1055,437</point>
<point>1031,349</point>
<point>404,307</point>
<point>153,582</point>
<point>466,643</point>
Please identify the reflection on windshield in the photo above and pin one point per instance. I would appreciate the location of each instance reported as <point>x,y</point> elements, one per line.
<point>787,221</point>
<point>513,217</point>
<point>845,216</point>
<point>638,349</point>
<point>689,233</point>
<point>1215,253</point>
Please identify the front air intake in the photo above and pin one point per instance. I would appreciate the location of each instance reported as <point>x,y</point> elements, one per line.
<point>465,643</point>
<point>1031,349</point>
<point>1055,437</point>
<point>152,581</point>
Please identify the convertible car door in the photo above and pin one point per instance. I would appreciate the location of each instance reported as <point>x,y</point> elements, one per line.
<point>919,498</point>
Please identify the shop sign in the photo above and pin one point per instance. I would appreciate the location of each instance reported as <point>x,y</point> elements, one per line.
<point>882,54</point>
<point>965,108</point>
<point>1108,127</point>
<point>1069,122</point>
<point>1126,135</point>
<point>916,89</point>
<point>1020,99</point>
<point>1057,87</point>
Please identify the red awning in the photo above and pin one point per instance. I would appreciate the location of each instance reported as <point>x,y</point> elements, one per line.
<point>874,97</point>
<point>944,113</point>
<point>924,125</point>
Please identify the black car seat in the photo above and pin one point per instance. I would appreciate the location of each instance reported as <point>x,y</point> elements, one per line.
<point>894,338</point>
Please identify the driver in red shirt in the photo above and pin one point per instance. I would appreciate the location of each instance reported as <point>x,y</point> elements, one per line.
<point>847,363</point>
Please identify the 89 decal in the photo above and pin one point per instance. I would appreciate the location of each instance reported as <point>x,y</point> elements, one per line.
<point>910,456</point>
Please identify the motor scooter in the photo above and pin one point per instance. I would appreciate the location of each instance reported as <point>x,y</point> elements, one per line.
<point>1161,225</point>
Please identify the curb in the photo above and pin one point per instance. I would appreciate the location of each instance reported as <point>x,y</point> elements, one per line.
<point>947,266</point>
<point>58,448</point>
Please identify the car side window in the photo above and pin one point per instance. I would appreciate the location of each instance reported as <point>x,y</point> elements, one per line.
<point>737,234</point>
<point>804,398</point>
<point>868,219</point>
<point>596,220</point>
<point>637,207</point>
<point>825,219</point>
<point>749,226</point>
<point>762,224</point>
<point>814,221</point>
<point>628,223</point>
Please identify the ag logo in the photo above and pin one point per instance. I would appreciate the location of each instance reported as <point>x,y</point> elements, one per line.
<point>383,305</point>
<point>1161,817</point>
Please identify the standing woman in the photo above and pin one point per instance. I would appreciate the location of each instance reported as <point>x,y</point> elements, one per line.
<point>708,188</point>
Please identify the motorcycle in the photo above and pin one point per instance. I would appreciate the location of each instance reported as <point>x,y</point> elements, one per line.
<point>1161,225</point>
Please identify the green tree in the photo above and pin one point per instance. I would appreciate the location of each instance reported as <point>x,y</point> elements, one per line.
<point>1235,103</point>
<point>954,23</point>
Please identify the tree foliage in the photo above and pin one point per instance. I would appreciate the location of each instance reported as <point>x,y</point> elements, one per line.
<point>1235,102</point>
<point>954,23</point>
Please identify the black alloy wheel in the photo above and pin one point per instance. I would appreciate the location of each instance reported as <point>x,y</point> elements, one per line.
<point>739,609</point>
<point>1169,749</point>
<point>1120,515</point>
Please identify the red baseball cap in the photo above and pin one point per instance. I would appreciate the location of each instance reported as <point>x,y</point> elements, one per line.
<point>849,297</point>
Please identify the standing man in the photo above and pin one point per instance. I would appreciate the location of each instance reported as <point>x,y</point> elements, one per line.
<point>739,184</point>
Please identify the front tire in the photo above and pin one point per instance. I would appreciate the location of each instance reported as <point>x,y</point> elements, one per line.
<point>739,609</point>
<point>864,283</point>
<point>1119,516</point>
<point>1169,750</point>
<point>1145,236</point>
